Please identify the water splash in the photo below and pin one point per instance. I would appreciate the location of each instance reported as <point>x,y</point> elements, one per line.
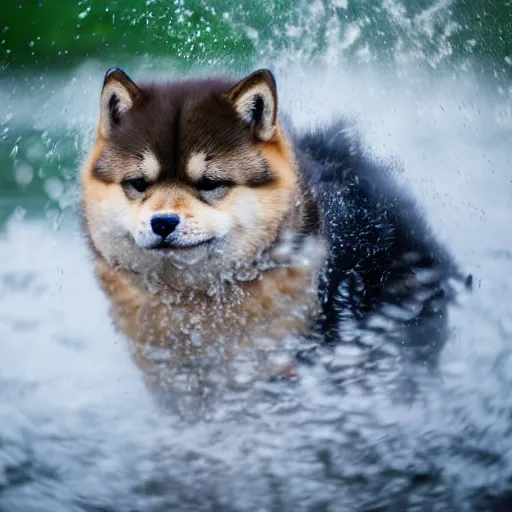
<point>363,428</point>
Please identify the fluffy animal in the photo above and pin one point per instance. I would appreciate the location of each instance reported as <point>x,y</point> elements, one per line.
<point>214,226</point>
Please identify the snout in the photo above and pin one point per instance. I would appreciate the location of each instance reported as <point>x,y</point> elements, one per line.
<point>170,231</point>
<point>164,225</point>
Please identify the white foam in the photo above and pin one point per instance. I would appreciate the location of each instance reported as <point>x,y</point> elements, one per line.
<point>71,397</point>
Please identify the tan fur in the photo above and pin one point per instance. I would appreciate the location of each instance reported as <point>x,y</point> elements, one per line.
<point>281,304</point>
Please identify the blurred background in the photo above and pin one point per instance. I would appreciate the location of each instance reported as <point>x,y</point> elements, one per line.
<point>428,85</point>
<point>52,52</point>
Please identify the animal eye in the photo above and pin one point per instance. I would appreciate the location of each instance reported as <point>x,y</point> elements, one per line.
<point>207,184</point>
<point>139,184</point>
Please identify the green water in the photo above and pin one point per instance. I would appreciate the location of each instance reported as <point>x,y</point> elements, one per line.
<point>61,33</point>
<point>45,43</point>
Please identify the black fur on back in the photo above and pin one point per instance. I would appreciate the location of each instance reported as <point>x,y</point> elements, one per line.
<point>383,259</point>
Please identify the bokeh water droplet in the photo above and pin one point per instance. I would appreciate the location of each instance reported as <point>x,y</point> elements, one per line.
<point>23,173</point>
<point>84,13</point>
<point>54,188</point>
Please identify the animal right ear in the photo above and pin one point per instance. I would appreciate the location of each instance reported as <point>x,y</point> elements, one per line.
<point>118,96</point>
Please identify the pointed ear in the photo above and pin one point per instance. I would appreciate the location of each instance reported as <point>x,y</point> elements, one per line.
<point>255,100</point>
<point>119,95</point>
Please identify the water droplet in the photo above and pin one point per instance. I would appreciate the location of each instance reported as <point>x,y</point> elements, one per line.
<point>54,188</point>
<point>85,13</point>
<point>23,174</point>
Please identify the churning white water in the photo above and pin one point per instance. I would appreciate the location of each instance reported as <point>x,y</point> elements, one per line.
<point>79,431</point>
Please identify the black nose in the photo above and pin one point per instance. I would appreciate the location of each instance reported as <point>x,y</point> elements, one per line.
<point>164,225</point>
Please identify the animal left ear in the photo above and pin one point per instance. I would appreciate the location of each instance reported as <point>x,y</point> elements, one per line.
<point>255,100</point>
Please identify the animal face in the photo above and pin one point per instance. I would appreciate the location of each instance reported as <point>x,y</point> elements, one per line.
<point>195,173</point>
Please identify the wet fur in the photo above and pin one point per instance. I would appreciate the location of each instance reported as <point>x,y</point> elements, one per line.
<point>357,244</point>
<point>384,265</point>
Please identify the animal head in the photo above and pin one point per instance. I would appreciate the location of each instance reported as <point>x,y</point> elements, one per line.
<point>194,172</point>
